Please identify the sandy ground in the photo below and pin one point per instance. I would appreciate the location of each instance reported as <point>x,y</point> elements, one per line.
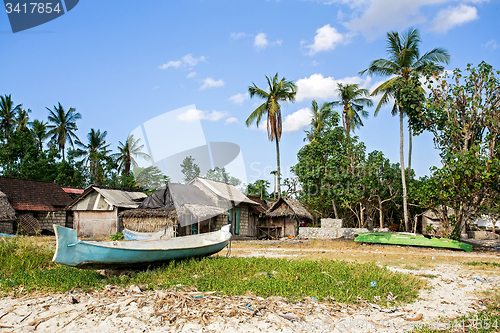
<point>454,290</point>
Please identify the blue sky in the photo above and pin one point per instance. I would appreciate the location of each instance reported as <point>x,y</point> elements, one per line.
<point>122,63</point>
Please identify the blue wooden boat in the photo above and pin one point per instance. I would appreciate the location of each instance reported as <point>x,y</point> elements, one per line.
<point>93,254</point>
<point>130,235</point>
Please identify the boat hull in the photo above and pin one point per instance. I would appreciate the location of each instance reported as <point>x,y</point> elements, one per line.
<point>134,254</point>
<point>411,240</point>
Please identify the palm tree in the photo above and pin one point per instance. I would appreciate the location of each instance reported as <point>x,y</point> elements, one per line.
<point>278,91</point>
<point>94,151</point>
<point>353,99</point>
<point>128,153</point>
<point>63,126</point>
<point>7,114</point>
<point>404,58</point>
<point>318,119</point>
<point>40,129</point>
<point>22,119</point>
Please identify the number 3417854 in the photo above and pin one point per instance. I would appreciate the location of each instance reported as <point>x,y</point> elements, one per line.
<point>32,7</point>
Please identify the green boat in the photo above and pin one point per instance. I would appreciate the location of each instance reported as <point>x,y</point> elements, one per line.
<point>395,238</point>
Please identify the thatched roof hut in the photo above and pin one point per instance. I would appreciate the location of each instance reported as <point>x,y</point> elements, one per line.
<point>288,207</point>
<point>7,213</point>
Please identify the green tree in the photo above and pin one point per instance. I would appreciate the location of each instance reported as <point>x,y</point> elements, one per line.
<point>95,152</point>
<point>150,179</point>
<point>318,118</point>
<point>22,120</point>
<point>128,153</point>
<point>189,169</point>
<point>221,175</point>
<point>39,128</point>
<point>62,126</point>
<point>464,115</point>
<point>352,99</point>
<point>7,114</point>
<point>404,59</point>
<point>278,91</point>
<point>259,188</point>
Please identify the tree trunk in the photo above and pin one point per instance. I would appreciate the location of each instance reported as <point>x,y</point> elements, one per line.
<point>402,161</point>
<point>361,216</point>
<point>381,214</point>
<point>410,136</point>
<point>279,171</point>
<point>335,209</point>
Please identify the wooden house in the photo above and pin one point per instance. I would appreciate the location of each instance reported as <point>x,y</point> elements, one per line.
<point>37,205</point>
<point>283,219</point>
<point>96,209</point>
<point>237,204</point>
<point>7,215</point>
<point>177,208</point>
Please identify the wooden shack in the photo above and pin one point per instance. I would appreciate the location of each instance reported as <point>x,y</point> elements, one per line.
<point>283,218</point>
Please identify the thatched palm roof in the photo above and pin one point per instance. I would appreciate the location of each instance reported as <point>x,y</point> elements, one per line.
<point>288,207</point>
<point>7,213</point>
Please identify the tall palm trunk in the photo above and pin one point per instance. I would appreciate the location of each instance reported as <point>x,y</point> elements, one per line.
<point>410,139</point>
<point>402,160</point>
<point>278,164</point>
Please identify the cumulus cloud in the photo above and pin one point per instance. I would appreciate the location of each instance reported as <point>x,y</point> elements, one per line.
<point>238,35</point>
<point>187,61</point>
<point>238,98</point>
<point>194,114</point>
<point>323,88</point>
<point>231,120</point>
<point>326,39</point>
<point>492,44</point>
<point>261,41</point>
<point>296,121</point>
<point>452,17</point>
<point>211,83</point>
<point>191,75</point>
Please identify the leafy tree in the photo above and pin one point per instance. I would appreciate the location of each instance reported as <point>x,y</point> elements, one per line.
<point>463,114</point>
<point>150,179</point>
<point>352,99</point>
<point>22,120</point>
<point>94,152</point>
<point>259,188</point>
<point>278,91</point>
<point>129,152</point>
<point>404,59</point>
<point>189,169</point>
<point>62,126</point>
<point>318,118</point>
<point>7,114</point>
<point>39,128</point>
<point>221,175</point>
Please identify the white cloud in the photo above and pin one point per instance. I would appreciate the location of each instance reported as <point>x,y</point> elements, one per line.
<point>238,98</point>
<point>238,35</point>
<point>296,121</point>
<point>187,61</point>
<point>211,83</point>
<point>452,17</point>
<point>323,88</point>
<point>191,75</point>
<point>194,114</point>
<point>261,41</point>
<point>492,44</point>
<point>174,64</point>
<point>231,120</point>
<point>326,39</point>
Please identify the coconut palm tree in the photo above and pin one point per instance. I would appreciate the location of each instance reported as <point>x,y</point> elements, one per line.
<point>404,59</point>
<point>129,151</point>
<point>318,119</point>
<point>22,120</point>
<point>63,126</point>
<point>7,114</point>
<point>353,99</point>
<point>278,91</point>
<point>40,129</point>
<point>94,151</point>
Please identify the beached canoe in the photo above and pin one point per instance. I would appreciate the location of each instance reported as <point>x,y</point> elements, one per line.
<point>130,235</point>
<point>93,254</point>
<point>411,240</point>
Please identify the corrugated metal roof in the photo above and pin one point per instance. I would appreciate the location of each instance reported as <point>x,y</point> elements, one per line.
<point>119,198</point>
<point>226,191</point>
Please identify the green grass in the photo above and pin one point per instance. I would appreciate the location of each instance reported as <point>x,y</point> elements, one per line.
<point>27,265</point>
<point>482,263</point>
